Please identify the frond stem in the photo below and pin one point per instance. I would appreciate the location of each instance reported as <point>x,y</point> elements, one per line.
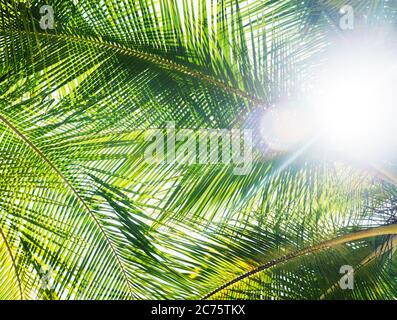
<point>13,262</point>
<point>373,232</point>
<point>148,57</point>
<point>74,191</point>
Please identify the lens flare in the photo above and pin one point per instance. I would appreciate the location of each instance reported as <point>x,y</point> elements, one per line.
<point>353,102</point>
<point>350,105</point>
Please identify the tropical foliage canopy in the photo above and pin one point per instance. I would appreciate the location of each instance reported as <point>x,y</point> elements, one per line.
<point>79,206</point>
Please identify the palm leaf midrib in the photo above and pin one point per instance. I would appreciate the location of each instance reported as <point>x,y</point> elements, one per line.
<point>353,236</point>
<point>12,261</point>
<point>32,146</point>
<point>98,43</point>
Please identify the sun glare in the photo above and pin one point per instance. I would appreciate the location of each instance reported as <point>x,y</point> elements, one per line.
<point>350,105</point>
<point>353,102</point>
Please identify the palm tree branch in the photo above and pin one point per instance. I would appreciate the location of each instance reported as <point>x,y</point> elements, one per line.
<point>380,250</point>
<point>354,236</point>
<point>72,188</point>
<point>13,261</point>
<point>148,57</point>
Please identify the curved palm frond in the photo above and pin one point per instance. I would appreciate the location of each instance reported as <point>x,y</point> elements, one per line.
<point>79,204</point>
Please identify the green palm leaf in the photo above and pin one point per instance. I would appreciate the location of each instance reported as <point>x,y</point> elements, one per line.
<point>79,206</point>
